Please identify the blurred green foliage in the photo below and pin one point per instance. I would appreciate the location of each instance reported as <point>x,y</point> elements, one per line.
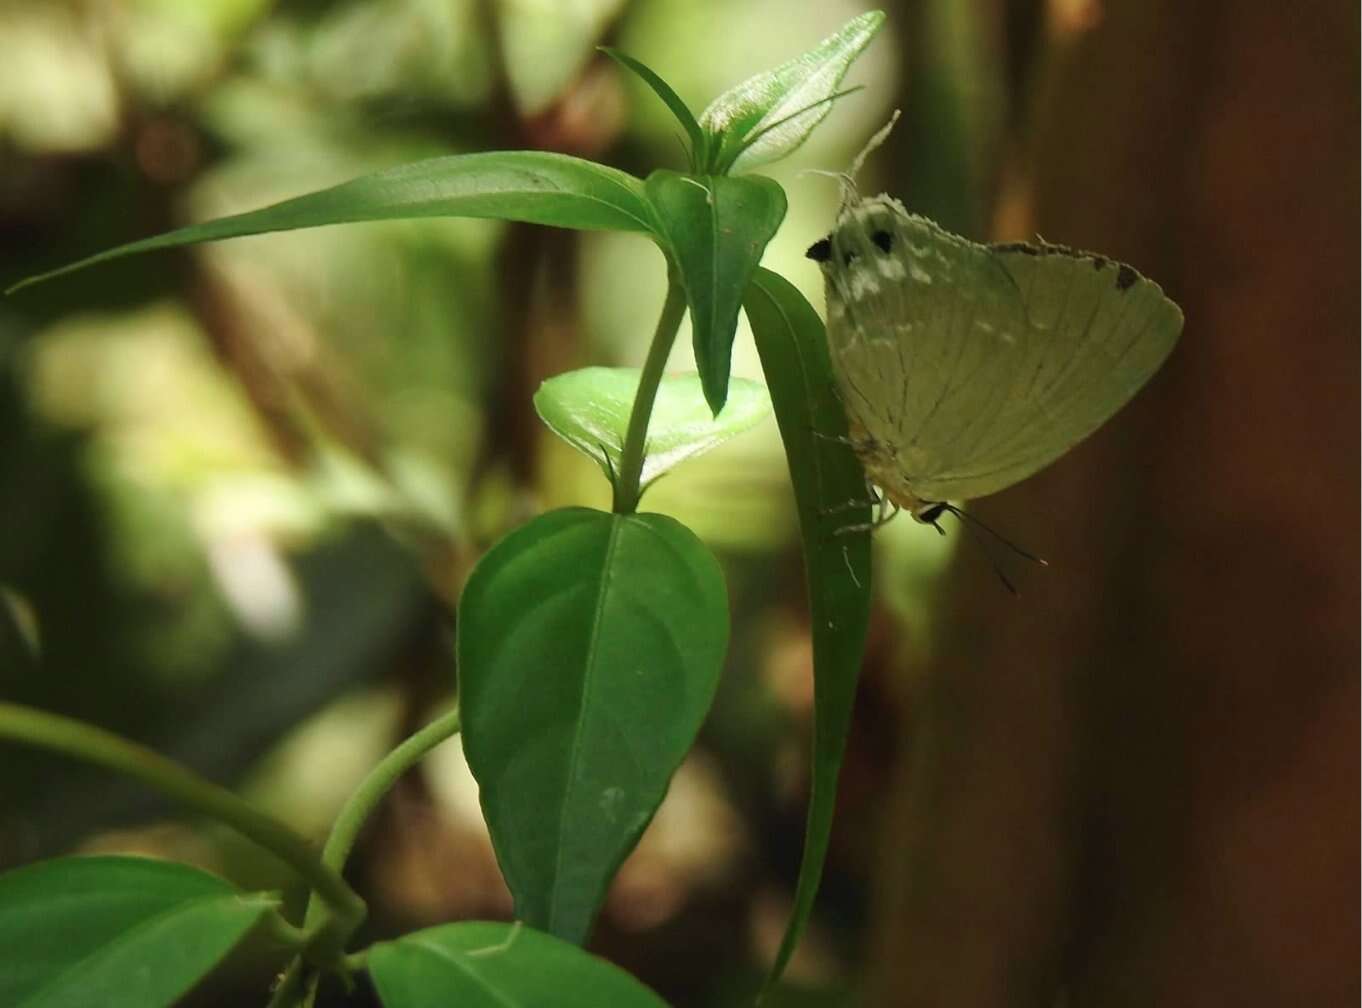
<point>240,485</point>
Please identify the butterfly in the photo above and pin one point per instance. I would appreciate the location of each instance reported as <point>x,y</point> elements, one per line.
<point>964,367</point>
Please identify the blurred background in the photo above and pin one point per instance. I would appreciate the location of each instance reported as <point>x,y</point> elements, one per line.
<point>241,485</point>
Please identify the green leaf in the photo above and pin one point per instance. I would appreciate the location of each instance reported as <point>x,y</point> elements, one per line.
<point>669,98</point>
<point>119,932</point>
<point>589,649</point>
<point>478,965</point>
<point>795,92</point>
<point>714,229</point>
<point>533,186</point>
<point>589,409</point>
<point>826,475</point>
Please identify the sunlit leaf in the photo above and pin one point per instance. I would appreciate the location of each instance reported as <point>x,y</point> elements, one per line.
<point>589,409</point>
<point>826,476</point>
<point>715,229</point>
<point>589,648</point>
<point>118,932</point>
<point>480,965</point>
<point>794,92</point>
<point>533,186</point>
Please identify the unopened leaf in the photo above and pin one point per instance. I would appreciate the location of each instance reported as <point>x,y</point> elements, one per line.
<point>795,92</point>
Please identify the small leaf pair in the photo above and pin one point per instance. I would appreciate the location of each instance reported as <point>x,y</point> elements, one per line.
<point>768,116</point>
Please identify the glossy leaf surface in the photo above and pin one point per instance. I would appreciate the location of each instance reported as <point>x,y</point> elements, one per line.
<point>119,932</point>
<point>589,648</point>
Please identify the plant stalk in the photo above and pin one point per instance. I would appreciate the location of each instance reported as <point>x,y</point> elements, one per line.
<point>356,811</point>
<point>95,745</point>
<point>627,490</point>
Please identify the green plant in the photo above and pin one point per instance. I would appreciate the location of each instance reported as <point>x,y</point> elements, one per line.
<point>589,643</point>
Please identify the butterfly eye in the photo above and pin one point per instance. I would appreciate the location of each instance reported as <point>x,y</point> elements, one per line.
<point>820,251</point>
<point>884,240</point>
<point>930,514</point>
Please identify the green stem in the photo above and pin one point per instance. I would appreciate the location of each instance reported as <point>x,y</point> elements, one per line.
<point>356,811</point>
<point>379,781</point>
<point>86,742</point>
<point>627,489</point>
<point>289,991</point>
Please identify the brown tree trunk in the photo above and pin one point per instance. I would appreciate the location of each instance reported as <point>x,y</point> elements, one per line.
<point>1137,785</point>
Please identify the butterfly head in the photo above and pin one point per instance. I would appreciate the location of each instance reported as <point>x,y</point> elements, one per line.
<point>867,230</point>
<point>929,514</point>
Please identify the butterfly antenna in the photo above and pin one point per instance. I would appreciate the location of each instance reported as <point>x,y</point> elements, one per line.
<point>872,145</point>
<point>983,548</point>
<point>850,194</point>
<point>968,519</point>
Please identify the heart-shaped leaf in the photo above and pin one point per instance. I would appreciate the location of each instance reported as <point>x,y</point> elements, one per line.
<point>589,649</point>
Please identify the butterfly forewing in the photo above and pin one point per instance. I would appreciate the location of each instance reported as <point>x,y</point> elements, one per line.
<point>1096,333</point>
<point>982,364</point>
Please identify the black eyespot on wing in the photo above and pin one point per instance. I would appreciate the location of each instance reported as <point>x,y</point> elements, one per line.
<point>1125,278</point>
<point>820,251</point>
<point>1098,262</point>
<point>884,240</point>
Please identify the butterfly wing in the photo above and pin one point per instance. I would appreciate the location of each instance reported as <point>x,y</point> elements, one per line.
<point>979,365</point>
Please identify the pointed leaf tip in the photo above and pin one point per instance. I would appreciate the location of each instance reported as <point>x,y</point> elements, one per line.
<point>715,229</point>
<point>794,95</point>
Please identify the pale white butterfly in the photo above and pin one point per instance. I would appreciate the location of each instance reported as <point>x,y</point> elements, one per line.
<point>964,367</point>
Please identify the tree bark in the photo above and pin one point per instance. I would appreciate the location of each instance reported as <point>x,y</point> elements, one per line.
<point>1137,784</point>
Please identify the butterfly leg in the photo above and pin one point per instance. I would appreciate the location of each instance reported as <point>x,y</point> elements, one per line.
<point>874,500</point>
<point>881,518</point>
<point>839,438</point>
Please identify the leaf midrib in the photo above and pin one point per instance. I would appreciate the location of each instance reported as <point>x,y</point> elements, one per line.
<point>616,525</point>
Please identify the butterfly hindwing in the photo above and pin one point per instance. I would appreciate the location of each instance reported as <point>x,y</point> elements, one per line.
<point>978,365</point>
